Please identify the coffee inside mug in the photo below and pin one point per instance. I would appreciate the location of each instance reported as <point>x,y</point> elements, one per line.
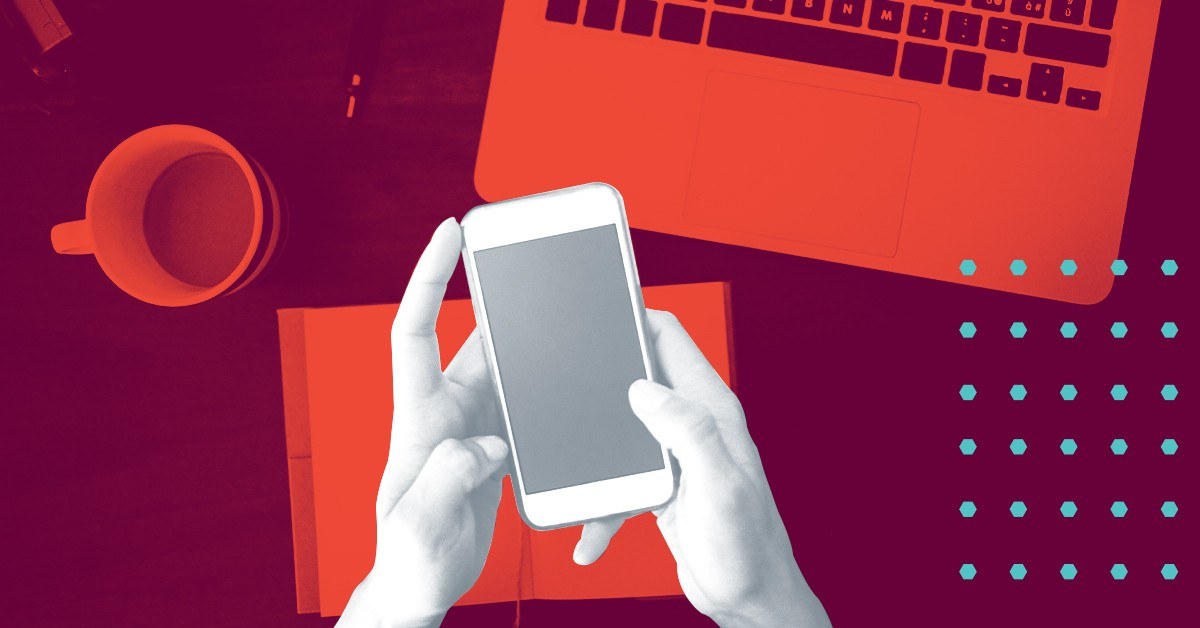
<point>199,216</point>
<point>175,217</point>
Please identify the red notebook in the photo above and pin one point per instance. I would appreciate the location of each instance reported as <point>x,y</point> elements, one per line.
<point>337,404</point>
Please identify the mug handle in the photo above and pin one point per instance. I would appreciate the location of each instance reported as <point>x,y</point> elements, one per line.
<point>72,238</point>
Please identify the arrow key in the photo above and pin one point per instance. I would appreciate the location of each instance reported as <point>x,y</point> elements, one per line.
<point>1083,99</point>
<point>1045,83</point>
<point>1003,85</point>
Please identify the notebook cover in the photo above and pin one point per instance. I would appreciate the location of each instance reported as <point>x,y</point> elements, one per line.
<point>337,405</point>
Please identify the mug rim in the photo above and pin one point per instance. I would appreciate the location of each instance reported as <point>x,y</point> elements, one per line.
<point>184,133</point>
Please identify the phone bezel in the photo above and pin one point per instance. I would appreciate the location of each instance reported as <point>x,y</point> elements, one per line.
<point>532,218</point>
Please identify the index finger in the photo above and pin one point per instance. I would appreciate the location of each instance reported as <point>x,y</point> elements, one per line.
<point>680,360</point>
<point>416,363</point>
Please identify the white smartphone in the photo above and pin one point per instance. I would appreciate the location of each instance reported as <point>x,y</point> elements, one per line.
<point>558,303</point>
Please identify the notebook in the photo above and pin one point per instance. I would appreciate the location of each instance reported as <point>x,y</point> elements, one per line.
<point>337,408</point>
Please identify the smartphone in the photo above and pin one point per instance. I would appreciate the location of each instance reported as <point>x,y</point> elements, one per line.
<point>558,303</point>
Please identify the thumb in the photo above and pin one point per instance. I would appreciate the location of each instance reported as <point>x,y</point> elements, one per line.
<point>455,469</point>
<point>687,429</point>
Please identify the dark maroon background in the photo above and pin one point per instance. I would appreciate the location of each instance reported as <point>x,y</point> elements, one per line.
<point>144,480</point>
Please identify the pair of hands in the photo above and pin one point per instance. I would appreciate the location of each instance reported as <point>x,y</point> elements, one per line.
<point>441,487</point>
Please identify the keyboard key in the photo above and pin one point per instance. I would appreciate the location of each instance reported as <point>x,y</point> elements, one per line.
<point>847,12</point>
<point>925,22</point>
<point>1002,34</point>
<point>988,5</point>
<point>808,9</point>
<point>886,16</point>
<point>639,17</point>
<point>601,14</point>
<point>769,6</point>
<point>565,11</point>
<point>1083,99</point>
<point>1004,85</point>
<point>1029,8</point>
<point>966,70</point>
<point>1103,12</point>
<point>1064,44</point>
<point>680,23</point>
<point>1045,83</point>
<point>802,42</point>
<point>923,63</point>
<point>1069,11</point>
<point>963,28</point>
<point>741,4</point>
<point>958,2</point>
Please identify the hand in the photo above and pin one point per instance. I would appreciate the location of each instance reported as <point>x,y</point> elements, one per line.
<point>440,489</point>
<point>437,501</point>
<point>734,558</point>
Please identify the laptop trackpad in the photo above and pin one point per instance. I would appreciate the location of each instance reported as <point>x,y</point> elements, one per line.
<point>803,163</point>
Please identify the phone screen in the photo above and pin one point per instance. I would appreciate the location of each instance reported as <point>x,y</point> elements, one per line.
<point>566,344</point>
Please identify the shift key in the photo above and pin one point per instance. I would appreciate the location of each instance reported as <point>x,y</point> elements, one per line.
<point>802,42</point>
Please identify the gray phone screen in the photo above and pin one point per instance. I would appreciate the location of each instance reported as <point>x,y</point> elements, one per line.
<point>566,344</point>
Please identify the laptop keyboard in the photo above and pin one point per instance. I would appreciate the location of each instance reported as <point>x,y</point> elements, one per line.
<point>946,42</point>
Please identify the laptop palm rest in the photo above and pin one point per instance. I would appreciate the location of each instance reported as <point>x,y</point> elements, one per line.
<point>803,163</point>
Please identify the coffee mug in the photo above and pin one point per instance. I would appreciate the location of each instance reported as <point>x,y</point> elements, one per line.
<point>175,216</point>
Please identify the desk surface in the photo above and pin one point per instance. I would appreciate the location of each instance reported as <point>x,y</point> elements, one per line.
<point>143,457</point>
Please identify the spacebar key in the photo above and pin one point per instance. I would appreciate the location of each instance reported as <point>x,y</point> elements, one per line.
<point>801,42</point>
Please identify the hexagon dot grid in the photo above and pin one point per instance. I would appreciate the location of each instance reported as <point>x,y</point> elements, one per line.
<point>1116,509</point>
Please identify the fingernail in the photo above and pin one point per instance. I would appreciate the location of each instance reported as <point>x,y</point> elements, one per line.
<point>647,396</point>
<point>578,555</point>
<point>494,447</point>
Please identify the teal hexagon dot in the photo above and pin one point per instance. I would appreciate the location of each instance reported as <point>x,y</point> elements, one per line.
<point>1068,392</point>
<point>1170,330</point>
<point>1119,267</point>
<point>967,446</point>
<point>1170,392</point>
<point>1170,446</point>
<point>1169,571</point>
<point>1018,571</point>
<point>1018,267</point>
<point>1068,509</point>
<point>1018,446</point>
<point>1068,267</point>
<point>967,571</point>
<point>1119,330</point>
<point>1018,329</point>
<point>1068,571</point>
<point>1170,509</point>
<point>1119,446</point>
<point>967,267</point>
<point>1068,446</point>
<point>1068,330</point>
<point>1169,267</point>
<point>967,329</point>
<point>967,392</point>
<point>967,509</point>
<point>1119,392</point>
<point>1017,392</point>
<point>1119,571</point>
<point>1119,509</point>
<point>1018,509</point>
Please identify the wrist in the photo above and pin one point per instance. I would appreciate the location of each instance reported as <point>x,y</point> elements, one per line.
<point>374,605</point>
<point>785,601</point>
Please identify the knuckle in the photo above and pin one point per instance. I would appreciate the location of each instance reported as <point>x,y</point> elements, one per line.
<point>699,427</point>
<point>454,459</point>
<point>668,318</point>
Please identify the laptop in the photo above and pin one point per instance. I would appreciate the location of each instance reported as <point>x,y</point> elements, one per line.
<point>983,142</point>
